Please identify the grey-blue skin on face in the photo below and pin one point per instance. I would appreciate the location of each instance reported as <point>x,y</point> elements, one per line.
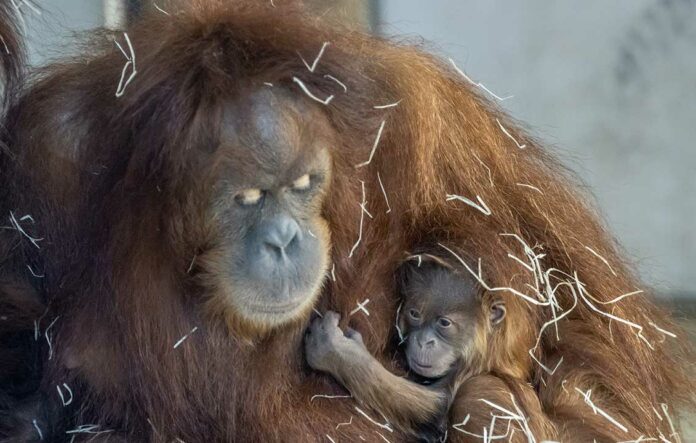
<point>439,317</point>
<point>274,175</point>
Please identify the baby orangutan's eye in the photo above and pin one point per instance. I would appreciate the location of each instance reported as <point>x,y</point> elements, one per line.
<point>444,322</point>
<point>302,183</point>
<point>414,314</point>
<point>249,197</point>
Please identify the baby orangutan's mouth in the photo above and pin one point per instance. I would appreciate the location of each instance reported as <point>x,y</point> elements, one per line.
<point>421,365</point>
<point>422,370</point>
<point>426,368</point>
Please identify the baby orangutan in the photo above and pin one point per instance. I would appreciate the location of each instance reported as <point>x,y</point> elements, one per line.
<point>442,321</point>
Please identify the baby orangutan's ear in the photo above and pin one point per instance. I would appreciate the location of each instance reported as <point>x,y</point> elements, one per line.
<point>497,312</point>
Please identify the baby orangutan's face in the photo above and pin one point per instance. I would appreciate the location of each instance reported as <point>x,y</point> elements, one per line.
<point>438,316</point>
<point>435,342</point>
<point>441,312</point>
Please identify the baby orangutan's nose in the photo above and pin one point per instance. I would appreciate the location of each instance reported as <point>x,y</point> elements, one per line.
<point>426,343</point>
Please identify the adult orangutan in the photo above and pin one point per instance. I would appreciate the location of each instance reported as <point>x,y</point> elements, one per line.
<point>180,201</point>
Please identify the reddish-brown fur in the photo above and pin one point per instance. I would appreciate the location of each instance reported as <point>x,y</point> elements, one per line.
<point>492,373</point>
<point>483,396</point>
<point>117,187</point>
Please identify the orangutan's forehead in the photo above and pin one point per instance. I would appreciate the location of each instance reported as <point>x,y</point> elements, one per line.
<point>273,133</point>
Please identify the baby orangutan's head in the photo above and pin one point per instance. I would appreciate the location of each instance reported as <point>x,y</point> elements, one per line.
<point>442,315</point>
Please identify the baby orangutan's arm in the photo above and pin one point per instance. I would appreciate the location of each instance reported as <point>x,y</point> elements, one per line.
<point>411,407</point>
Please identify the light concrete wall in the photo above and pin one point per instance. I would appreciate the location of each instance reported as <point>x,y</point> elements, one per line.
<point>49,33</point>
<point>611,84</point>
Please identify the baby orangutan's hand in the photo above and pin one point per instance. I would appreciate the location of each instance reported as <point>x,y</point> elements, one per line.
<point>328,348</point>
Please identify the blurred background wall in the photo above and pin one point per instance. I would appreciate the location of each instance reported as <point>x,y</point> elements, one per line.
<point>610,85</point>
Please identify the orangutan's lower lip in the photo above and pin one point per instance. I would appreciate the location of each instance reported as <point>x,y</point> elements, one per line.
<point>277,308</point>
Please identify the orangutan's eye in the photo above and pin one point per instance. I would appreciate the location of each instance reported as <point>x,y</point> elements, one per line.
<point>302,183</point>
<point>249,197</point>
